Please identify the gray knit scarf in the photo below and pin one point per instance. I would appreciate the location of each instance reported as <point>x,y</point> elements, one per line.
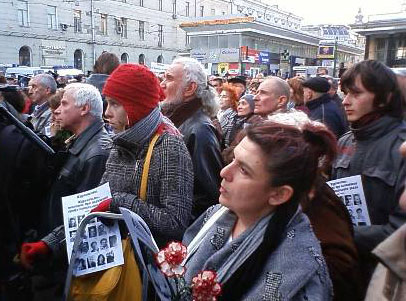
<point>137,135</point>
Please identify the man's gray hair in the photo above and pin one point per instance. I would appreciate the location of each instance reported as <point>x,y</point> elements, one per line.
<point>193,72</point>
<point>47,81</point>
<point>87,94</point>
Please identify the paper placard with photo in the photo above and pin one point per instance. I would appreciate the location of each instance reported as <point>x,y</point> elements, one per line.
<point>100,245</point>
<point>351,192</point>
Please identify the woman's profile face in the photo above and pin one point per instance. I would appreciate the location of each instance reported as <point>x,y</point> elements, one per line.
<point>245,185</point>
<point>224,100</point>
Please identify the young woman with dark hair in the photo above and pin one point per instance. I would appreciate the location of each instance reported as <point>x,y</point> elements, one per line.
<point>259,242</point>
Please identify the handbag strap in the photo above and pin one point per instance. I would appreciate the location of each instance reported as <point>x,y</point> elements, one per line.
<point>145,169</point>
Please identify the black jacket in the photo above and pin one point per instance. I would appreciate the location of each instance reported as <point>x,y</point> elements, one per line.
<point>83,169</point>
<point>23,186</point>
<point>201,140</point>
<point>325,110</point>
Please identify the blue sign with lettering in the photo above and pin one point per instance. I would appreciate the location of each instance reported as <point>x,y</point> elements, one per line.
<point>264,57</point>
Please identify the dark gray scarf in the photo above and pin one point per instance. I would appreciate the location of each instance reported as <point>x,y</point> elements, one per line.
<point>136,136</point>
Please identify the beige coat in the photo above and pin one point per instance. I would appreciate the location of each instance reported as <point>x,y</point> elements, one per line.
<point>389,279</point>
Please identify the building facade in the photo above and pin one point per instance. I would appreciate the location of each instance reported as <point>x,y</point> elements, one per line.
<point>385,36</point>
<point>267,39</point>
<point>76,32</point>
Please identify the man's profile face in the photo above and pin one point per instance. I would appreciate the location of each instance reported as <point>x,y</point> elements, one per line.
<point>266,102</point>
<point>68,114</point>
<point>38,93</point>
<point>172,85</point>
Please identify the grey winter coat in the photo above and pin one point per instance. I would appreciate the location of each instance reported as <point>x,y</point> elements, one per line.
<point>296,270</point>
<point>168,205</point>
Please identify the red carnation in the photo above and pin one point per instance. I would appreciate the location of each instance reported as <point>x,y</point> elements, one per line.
<point>205,286</point>
<point>170,259</point>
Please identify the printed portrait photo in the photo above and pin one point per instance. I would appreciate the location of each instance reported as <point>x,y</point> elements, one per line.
<point>101,260</point>
<point>91,263</point>
<point>357,199</point>
<point>93,247</point>
<point>113,241</point>
<point>72,222</point>
<point>348,200</point>
<point>101,229</point>
<point>92,231</point>
<point>103,244</point>
<point>110,257</point>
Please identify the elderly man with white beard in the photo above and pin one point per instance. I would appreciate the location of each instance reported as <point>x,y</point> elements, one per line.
<point>189,104</point>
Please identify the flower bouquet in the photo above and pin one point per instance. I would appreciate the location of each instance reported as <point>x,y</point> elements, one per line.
<point>204,286</point>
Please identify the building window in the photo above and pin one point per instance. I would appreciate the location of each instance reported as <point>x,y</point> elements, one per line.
<point>22,13</point>
<point>77,20</point>
<point>103,24</point>
<point>174,7</point>
<point>213,12</point>
<point>160,59</point>
<point>141,59</point>
<point>160,35</point>
<point>25,56</point>
<point>78,59</point>
<point>124,58</point>
<point>201,10</point>
<point>187,9</point>
<point>141,30</point>
<point>124,27</point>
<point>51,13</point>
<point>160,5</point>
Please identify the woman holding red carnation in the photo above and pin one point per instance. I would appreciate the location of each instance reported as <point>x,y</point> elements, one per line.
<point>257,241</point>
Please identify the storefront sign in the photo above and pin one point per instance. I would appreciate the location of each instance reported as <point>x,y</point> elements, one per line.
<point>198,54</point>
<point>217,55</point>
<point>229,55</point>
<point>264,57</point>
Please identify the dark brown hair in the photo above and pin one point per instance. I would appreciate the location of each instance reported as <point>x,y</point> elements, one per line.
<point>379,80</point>
<point>55,100</point>
<point>106,63</point>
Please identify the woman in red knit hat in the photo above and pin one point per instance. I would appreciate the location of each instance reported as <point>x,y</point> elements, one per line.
<point>133,93</point>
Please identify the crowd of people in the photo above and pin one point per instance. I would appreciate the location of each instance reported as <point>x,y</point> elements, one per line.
<point>251,157</point>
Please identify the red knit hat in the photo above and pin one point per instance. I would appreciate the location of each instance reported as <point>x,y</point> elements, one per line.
<point>136,88</point>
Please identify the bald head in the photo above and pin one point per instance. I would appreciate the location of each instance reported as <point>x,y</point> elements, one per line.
<point>272,96</point>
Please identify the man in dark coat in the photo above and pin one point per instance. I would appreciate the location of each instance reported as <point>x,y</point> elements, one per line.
<point>322,107</point>
<point>190,104</point>
<point>80,112</point>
